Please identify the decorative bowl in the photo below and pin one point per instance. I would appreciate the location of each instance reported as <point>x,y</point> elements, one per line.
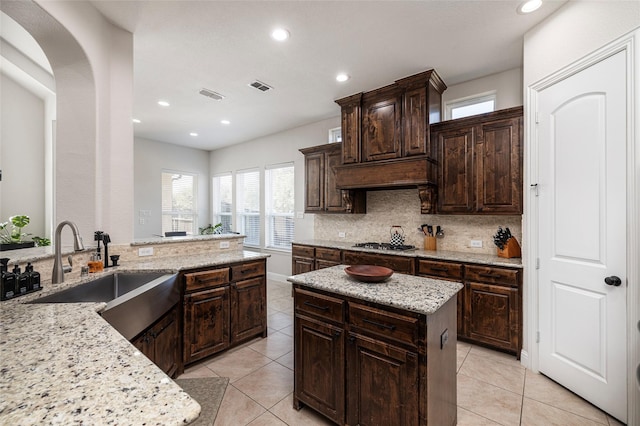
<point>368,273</point>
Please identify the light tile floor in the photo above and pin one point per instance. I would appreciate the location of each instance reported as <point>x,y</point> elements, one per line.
<point>493,388</point>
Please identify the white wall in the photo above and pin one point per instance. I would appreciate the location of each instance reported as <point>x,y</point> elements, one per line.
<point>507,86</point>
<point>151,158</point>
<point>22,148</point>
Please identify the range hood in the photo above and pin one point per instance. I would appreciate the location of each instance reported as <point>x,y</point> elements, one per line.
<point>410,172</point>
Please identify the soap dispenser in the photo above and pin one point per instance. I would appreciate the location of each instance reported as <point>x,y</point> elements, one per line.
<point>7,280</point>
<point>22,281</point>
<point>34,278</point>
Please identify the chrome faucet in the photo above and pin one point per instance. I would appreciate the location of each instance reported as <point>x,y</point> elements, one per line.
<point>58,269</point>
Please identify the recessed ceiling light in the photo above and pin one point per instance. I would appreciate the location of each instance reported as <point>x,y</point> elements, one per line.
<point>225,122</point>
<point>163,103</point>
<point>529,6</point>
<point>135,120</point>
<point>280,34</point>
<point>193,134</point>
<point>342,77</point>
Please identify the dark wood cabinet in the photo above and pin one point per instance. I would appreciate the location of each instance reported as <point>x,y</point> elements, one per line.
<point>392,121</point>
<point>161,343</point>
<point>381,383</point>
<point>321,193</point>
<point>302,259</point>
<point>319,353</point>
<point>381,125</point>
<point>223,307</point>
<point>480,163</point>
<point>327,257</point>
<point>363,363</point>
<point>452,271</point>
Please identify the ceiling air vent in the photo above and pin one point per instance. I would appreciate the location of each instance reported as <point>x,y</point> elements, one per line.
<point>260,86</point>
<point>211,94</point>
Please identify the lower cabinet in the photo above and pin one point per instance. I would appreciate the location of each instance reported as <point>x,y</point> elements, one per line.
<point>223,307</point>
<point>360,363</point>
<point>161,343</point>
<point>401,264</point>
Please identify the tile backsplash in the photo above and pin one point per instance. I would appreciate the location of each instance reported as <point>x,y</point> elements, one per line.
<point>402,207</point>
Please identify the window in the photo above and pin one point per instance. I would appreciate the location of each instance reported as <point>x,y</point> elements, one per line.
<point>335,135</point>
<point>477,104</point>
<point>222,198</point>
<point>248,206</point>
<point>279,206</point>
<point>179,202</point>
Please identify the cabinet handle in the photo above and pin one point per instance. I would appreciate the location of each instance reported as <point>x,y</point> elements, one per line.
<point>440,269</point>
<point>352,339</point>
<point>490,275</point>
<point>337,333</point>
<point>311,305</point>
<point>379,324</point>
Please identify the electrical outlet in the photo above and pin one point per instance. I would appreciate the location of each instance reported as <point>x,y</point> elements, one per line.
<point>142,221</point>
<point>224,244</point>
<point>476,243</point>
<point>145,251</point>
<point>341,234</point>
<point>444,338</point>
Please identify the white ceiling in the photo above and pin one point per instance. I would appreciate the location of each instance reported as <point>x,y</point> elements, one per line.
<point>181,47</point>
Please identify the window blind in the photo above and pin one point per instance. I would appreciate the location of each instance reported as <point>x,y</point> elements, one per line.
<point>279,206</point>
<point>222,201</point>
<point>248,206</point>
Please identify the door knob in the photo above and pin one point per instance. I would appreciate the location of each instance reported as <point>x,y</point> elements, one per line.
<point>613,280</point>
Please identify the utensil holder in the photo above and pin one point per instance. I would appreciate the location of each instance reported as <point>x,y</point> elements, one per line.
<point>511,249</point>
<point>430,243</point>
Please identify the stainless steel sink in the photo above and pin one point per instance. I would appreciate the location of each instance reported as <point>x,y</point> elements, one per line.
<point>134,300</point>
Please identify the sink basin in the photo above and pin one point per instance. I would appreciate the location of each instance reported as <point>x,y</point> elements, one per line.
<point>103,289</point>
<point>134,300</point>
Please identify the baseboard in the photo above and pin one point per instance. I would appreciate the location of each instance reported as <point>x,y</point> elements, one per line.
<point>524,359</point>
<point>277,277</point>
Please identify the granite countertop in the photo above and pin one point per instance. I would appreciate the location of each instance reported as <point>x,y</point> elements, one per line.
<point>456,256</point>
<point>409,292</point>
<point>189,238</point>
<point>63,364</point>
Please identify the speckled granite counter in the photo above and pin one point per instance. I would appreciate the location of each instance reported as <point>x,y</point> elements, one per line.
<point>63,364</point>
<point>416,294</point>
<point>456,256</point>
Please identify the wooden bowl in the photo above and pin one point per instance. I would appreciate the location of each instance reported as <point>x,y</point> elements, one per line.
<point>368,273</point>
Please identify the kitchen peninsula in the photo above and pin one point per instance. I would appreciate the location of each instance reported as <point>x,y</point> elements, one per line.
<point>383,351</point>
<point>63,363</point>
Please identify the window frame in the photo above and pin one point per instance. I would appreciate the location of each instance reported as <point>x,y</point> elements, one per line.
<point>194,207</point>
<point>216,214</point>
<point>479,98</point>
<point>240,217</point>
<point>268,214</point>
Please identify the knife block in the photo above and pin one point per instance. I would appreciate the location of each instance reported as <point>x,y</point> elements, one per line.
<point>511,249</point>
<point>430,243</point>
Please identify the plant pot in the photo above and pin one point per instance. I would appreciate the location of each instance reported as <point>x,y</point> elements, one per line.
<point>15,246</point>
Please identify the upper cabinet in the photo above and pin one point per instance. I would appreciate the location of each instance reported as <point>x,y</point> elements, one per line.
<point>321,194</point>
<point>480,163</point>
<point>392,121</point>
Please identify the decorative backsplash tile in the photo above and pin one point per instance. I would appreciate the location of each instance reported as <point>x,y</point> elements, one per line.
<point>402,207</point>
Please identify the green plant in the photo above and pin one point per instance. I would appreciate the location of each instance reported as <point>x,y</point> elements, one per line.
<point>11,231</point>
<point>41,242</point>
<point>211,229</point>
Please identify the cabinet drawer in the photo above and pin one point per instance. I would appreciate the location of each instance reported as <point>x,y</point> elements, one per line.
<point>302,251</point>
<point>319,305</point>
<point>383,323</point>
<point>400,264</point>
<point>328,254</point>
<point>492,275</point>
<point>447,270</point>
<point>200,280</point>
<point>247,270</point>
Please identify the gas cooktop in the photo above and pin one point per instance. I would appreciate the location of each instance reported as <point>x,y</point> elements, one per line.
<point>385,246</point>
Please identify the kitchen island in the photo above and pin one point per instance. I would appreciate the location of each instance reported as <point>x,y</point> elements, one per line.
<point>375,353</point>
<point>64,364</point>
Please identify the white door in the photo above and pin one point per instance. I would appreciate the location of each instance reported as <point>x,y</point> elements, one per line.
<point>582,225</point>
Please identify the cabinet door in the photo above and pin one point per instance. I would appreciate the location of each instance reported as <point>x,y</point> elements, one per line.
<point>320,368</point>
<point>415,135</point>
<point>492,315</point>
<point>351,116</point>
<point>381,130</point>
<point>333,196</point>
<point>314,182</point>
<point>382,383</point>
<point>206,323</point>
<point>499,167</point>
<point>144,343</point>
<point>455,172</point>
<point>166,335</point>
<point>248,315</point>
<point>302,265</point>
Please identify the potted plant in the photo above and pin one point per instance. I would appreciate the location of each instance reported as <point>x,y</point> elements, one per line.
<point>11,234</point>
